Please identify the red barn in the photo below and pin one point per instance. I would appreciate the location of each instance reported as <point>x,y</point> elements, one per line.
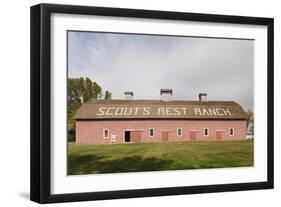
<point>164,120</point>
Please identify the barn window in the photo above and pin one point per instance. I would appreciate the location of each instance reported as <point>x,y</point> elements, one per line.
<point>105,133</point>
<point>231,131</point>
<point>151,132</point>
<point>179,132</point>
<point>206,132</point>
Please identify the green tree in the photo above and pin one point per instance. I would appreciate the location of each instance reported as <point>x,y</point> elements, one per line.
<point>107,95</point>
<point>79,91</point>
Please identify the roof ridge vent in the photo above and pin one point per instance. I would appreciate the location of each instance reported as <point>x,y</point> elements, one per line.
<point>129,95</point>
<point>166,94</point>
<point>203,97</point>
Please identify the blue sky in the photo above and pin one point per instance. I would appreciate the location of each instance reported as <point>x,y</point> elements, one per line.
<point>223,68</point>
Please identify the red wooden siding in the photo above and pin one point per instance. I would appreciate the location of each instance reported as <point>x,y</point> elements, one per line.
<point>91,132</point>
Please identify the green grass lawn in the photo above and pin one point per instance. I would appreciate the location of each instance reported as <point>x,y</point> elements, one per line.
<point>89,159</point>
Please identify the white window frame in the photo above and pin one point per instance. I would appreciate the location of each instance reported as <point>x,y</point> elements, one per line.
<point>232,130</point>
<point>153,129</point>
<point>178,132</point>
<point>107,134</point>
<point>206,135</point>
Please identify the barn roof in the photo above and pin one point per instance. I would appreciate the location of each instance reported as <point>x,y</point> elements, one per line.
<point>157,109</point>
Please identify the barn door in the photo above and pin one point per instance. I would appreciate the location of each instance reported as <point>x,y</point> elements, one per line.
<point>192,136</point>
<point>165,136</point>
<point>136,136</point>
<point>218,135</point>
<point>127,136</point>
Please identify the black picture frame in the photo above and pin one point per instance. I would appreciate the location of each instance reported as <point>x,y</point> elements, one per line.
<point>41,99</point>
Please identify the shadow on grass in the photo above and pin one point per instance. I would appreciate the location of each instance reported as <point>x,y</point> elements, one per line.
<point>90,164</point>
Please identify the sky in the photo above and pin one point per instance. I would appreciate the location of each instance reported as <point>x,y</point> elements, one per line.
<point>222,68</point>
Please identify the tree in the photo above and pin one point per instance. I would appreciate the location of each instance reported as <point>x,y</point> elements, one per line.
<point>80,90</point>
<point>107,95</point>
